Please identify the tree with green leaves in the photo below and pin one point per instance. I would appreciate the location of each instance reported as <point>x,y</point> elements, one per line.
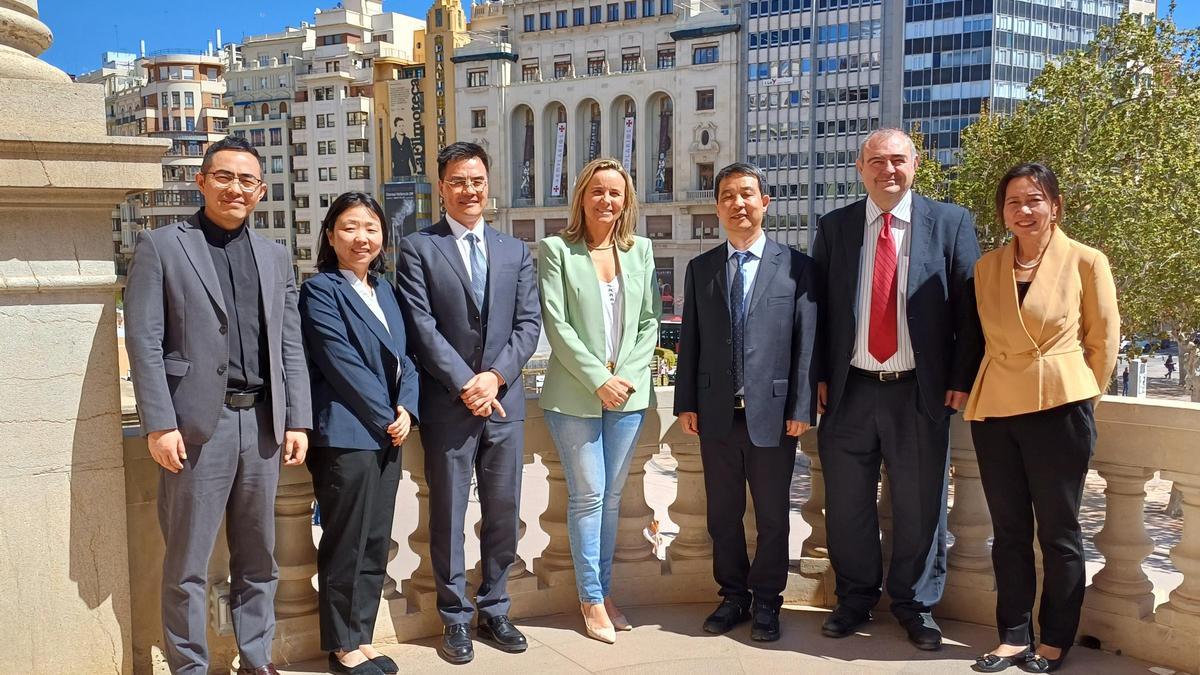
<point>930,179</point>
<point>1119,123</point>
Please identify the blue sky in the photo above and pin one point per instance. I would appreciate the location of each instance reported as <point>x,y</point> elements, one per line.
<point>83,30</point>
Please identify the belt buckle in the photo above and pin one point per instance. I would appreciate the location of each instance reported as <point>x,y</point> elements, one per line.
<point>888,376</point>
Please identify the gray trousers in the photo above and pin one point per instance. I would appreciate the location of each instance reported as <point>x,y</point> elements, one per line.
<point>234,474</point>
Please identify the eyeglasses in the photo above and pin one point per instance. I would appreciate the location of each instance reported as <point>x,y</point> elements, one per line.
<point>223,179</point>
<point>460,184</point>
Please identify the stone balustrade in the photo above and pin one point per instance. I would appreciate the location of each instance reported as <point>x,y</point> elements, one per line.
<point>1136,441</point>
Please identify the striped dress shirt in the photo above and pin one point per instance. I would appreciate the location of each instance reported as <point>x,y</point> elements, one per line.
<point>903,359</point>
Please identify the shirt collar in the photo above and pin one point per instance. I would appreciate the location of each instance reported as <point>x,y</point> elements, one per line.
<point>355,282</point>
<point>755,250</point>
<point>902,210</point>
<point>459,230</point>
<point>217,235</point>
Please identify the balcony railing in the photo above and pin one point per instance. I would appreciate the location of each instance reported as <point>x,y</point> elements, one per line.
<point>521,203</point>
<point>1136,440</point>
<point>700,195</point>
<point>660,197</point>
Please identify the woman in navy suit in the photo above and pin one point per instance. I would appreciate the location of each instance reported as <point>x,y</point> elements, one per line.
<point>363,389</point>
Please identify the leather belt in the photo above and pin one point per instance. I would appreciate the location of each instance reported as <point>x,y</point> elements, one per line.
<point>884,375</point>
<point>242,400</point>
<point>739,402</point>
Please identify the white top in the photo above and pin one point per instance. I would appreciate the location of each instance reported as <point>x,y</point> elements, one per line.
<point>613,306</point>
<point>367,293</point>
<point>464,247</point>
<point>903,359</point>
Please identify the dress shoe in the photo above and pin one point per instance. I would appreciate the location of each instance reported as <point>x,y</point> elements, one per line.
<point>386,664</point>
<point>923,632</point>
<point>594,630</point>
<point>499,630</point>
<point>843,621</point>
<point>728,615</point>
<point>268,669</point>
<point>766,623</point>
<point>616,616</point>
<point>992,663</point>
<point>456,644</point>
<point>364,668</point>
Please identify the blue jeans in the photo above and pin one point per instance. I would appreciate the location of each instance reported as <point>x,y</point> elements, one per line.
<point>595,454</point>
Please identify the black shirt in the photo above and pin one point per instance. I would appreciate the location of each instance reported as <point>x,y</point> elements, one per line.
<point>237,273</point>
<point>1022,289</point>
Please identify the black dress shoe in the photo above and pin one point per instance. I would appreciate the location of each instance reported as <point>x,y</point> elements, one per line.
<point>364,668</point>
<point>843,621</point>
<point>766,624</point>
<point>923,632</point>
<point>386,664</point>
<point>456,644</point>
<point>499,630</point>
<point>728,615</point>
<point>991,663</point>
<point>1041,664</point>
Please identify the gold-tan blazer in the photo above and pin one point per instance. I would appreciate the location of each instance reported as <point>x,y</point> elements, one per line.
<point>1059,346</point>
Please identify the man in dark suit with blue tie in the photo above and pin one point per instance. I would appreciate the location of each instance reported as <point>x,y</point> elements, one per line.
<point>474,320</point>
<point>902,345</point>
<point>745,383</point>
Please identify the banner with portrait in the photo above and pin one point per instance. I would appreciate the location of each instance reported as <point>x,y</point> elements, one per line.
<point>405,128</point>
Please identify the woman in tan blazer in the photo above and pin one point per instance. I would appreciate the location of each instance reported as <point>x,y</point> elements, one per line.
<point>1048,308</point>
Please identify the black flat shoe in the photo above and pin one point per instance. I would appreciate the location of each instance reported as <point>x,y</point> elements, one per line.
<point>766,624</point>
<point>364,668</point>
<point>456,645</point>
<point>991,663</point>
<point>501,632</point>
<point>843,621</point>
<point>1041,664</point>
<point>924,632</point>
<point>386,664</point>
<point>725,617</point>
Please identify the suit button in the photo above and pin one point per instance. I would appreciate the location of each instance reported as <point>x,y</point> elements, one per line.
<point>728,341</point>
<point>223,330</point>
<point>475,317</point>
<point>221,369</point>
<point>478,349</point>
<point>729,371</point>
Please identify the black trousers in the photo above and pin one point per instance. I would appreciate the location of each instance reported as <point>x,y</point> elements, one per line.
<point>730,464</point>
<point>356,490</point>
<point>494,452</point>
<point>884,422</point>
<point>1036,464</point>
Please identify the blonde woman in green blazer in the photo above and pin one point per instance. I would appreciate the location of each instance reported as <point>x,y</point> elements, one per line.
<point>600,307</point>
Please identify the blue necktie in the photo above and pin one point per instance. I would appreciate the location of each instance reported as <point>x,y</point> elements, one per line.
<point>478,269</point>
<point>737,311</point>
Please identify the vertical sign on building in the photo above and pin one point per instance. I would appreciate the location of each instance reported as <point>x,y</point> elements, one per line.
<point>407,146</point>
<point>627,145</point>
<point>400,207</point>
<point>560,144</point>
<point>594,138</point>
<point>439,89</point>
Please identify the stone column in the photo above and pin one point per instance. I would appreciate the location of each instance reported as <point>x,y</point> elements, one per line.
<point>1182,609</point>
<point>969,521</point>
<point>554,567</point>
<point>634,555</point>
<point>297,635</point>
<point>418,589</point>
<point>1121,587</point>
<point>66,605</point>
<point>813,510</point>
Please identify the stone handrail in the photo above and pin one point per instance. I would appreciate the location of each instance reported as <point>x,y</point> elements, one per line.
<point>1136,440</point>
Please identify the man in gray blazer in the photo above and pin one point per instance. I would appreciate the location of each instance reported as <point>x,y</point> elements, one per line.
<point>214,343</point>
<point>474,320</point>
<point>745,382</point>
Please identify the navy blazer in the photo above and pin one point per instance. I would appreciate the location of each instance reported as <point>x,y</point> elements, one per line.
<point>359,370</point>
<point>780,343</point>
<point>946,339</point>
<point>451,338</point>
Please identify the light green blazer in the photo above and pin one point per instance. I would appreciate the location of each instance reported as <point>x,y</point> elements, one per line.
<point>573,319</point>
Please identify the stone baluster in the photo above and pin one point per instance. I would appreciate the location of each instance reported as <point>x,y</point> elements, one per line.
<point>419,587</point>
<point>634,556</point>
<point>969,520</point>
<point>813,511</point>
<point>750,524</point>
<point>1182,609</point>
<point>554,567</point>
<point>1121,587</point>
<point>294,550</point>
<point>691,552</point>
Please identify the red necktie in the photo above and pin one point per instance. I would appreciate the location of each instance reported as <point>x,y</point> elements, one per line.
<point>881,342</point>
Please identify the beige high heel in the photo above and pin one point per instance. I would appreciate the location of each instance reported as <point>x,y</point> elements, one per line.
<point>601,633</point>
<point>617,617</point>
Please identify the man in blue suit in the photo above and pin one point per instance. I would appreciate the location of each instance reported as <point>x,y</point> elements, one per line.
<point>474,322</point>
<point>745,383</point>
<point>902,341</point>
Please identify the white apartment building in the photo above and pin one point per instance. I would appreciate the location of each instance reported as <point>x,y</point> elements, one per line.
<point>260,93</point>
<point>334,137</point>
<point>547,85</point>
